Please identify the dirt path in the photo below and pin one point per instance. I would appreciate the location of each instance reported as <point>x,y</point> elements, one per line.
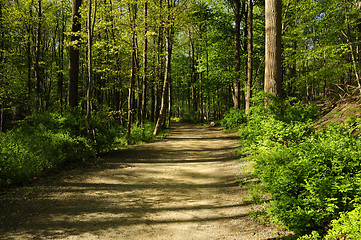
<point>182,187</point>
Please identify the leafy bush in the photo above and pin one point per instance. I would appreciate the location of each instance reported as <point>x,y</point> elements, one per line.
<point>49,141</point>
<point>189,116</point>
<point>140,134</point>
<point>234,118</point>
<point>311,177</point>
<point>313,181</point>
<point>348,226</point>
<point>28,152</point>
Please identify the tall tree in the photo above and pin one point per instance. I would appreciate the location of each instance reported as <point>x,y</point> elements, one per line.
<point>145,61</point>
<point>37,68</point>
<point>273,52</point>
<point>237,52</point>
<point>133,8</point>
<point>74,54</point>
<point>168,56</point>
<point>248,85</point>
<point>90,23</point>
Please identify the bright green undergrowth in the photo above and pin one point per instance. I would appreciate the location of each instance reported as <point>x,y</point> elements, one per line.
<point>313,177</point>
<point>51,141</point>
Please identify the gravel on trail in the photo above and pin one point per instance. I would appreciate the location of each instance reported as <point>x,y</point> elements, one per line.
<point>183,187</point>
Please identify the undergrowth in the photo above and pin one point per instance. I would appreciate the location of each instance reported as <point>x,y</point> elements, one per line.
<point>313,177</point>
<point>51,141</point>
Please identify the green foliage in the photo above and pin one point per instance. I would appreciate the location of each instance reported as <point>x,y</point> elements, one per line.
<point>311,176</point>
<point>140,134</point>
<point>348,226</point>
<point>234,118</point>
<point>38,145</point>
<point>189,116</point>
<point>49,141</point>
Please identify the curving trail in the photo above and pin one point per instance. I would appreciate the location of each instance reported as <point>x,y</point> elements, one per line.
<point>182,187</point>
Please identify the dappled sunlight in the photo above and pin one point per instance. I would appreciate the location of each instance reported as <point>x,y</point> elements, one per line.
<point>156,191</point>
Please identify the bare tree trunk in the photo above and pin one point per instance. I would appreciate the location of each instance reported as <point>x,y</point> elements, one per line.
<point>61,62</point>
<point>37,68</point>
<point>248,86</point>
<point>168,46</point>
<point>353,57</point>
<point>169,101</point>
<point>145,79</point>
<point>90,69</point>
<point>133,11</point>
<point>273,54</point>
<point>74,55</point>
<point>193,76</point>
<point>237,52</point>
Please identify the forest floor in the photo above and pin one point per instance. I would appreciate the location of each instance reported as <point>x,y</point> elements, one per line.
<point>183,187</point>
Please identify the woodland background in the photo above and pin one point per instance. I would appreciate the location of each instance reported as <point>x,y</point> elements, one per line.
<point>80,77</point>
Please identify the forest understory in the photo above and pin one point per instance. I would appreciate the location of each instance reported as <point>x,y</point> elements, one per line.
<point>81,78</point>
<point>183,187</point>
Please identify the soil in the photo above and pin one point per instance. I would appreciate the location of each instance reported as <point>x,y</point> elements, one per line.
<point>183,187</point>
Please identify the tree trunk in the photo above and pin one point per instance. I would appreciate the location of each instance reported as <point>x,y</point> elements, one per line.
<point>273,53</point>
<point>168,47</point>
<point>37,67</point>
<point>248,85</point>
<point>169,101</point>
<point>144,87</point>
<point>74,55</point>
<point>133,71</point>
<point>90,69</point>
<point>237,52</point>
<point>194,99</point>
<point>61,62</point>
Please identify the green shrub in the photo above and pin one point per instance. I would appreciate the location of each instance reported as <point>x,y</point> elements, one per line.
<point>49,141</point>
<point>189,117</point>
<point>348,226</point>
<point>234,118</point>
<point>311,177</point>
<point>140,134</point>
<point>28,152</point>
<point>313,181</point>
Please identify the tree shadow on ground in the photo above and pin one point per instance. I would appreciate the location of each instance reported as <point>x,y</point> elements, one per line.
<point>133,190</point>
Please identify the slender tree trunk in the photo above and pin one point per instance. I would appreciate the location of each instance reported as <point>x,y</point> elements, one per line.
<point>168,47</point>
<point>61,61</point>
<point>37,67</point>
<point>194,99</point>
<point>145,59</point>
<point>74,55</point>
<point>169,101</point>
<point>353,57</point>
<point>248,85</point>
<point>90,69</point>
<point>273,54</point>
<point>237,53</point>
<point>133,71</point>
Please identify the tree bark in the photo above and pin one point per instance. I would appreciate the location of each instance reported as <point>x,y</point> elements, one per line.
<point>248,85</point>
<point>168,47</point>
<point>74,55</point>
<point>90,69</point>
<point>237,52</point>
<point>37,67</point>
<point>145,59</point>
<point>273,53</point>
<point>133,11</point>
